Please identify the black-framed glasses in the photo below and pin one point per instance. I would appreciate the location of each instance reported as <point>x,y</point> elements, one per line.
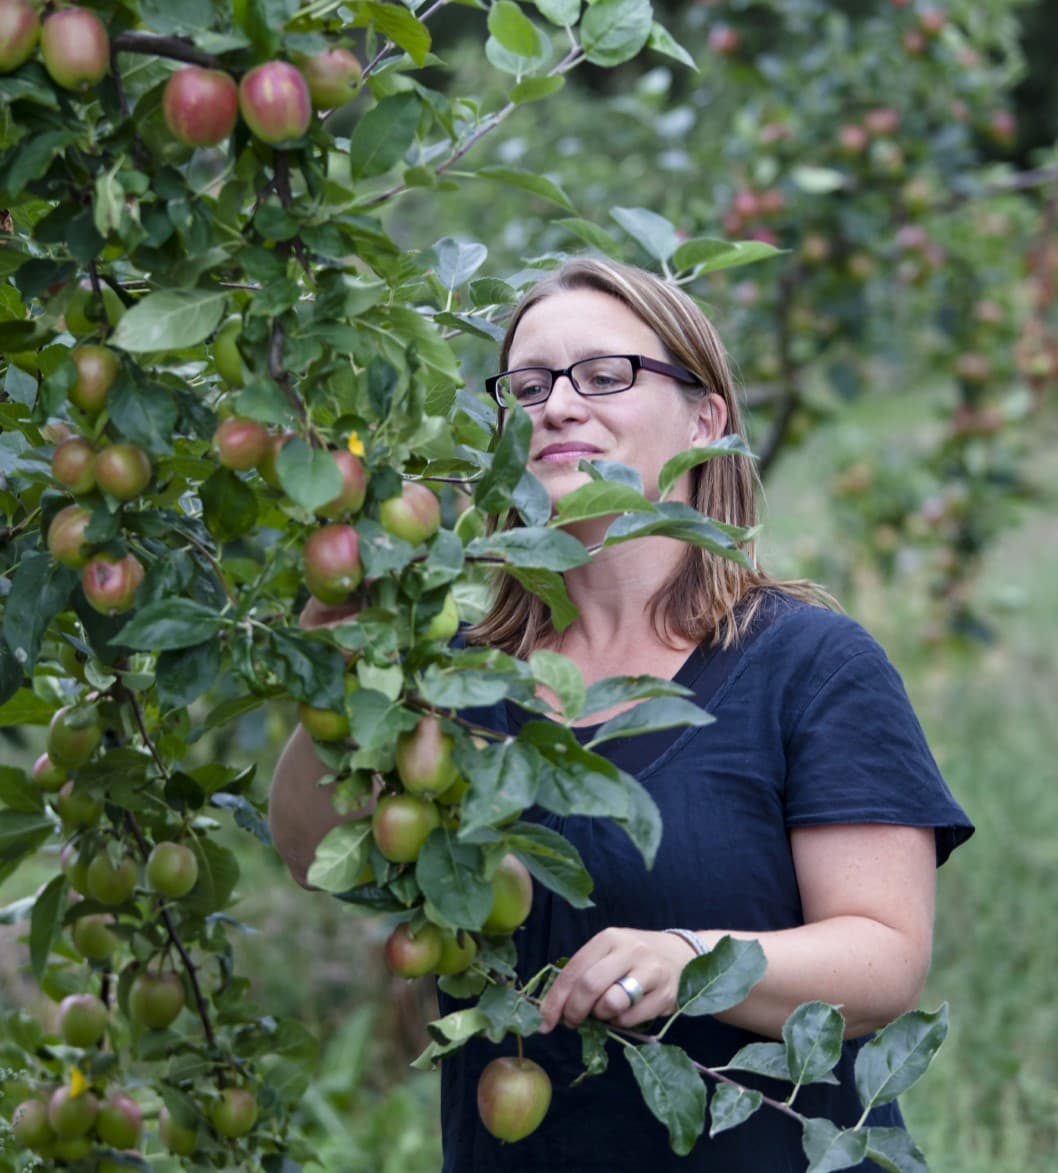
<point>602,374</point>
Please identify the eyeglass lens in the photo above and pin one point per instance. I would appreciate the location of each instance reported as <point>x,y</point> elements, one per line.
<point>591,376</point>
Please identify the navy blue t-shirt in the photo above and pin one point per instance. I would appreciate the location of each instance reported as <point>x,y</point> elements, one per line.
<point>813,727</point>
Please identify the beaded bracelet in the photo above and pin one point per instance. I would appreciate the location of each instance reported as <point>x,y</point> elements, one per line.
<point>692,939</point>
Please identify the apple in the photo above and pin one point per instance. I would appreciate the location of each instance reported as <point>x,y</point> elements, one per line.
<point>19,33</point>
<point>66,540</point>
<point>458,950</point>
<point>200,106</point>
<point>82,1020</point>
<point>414,516</point>
<point>123,470</point>
<point>412,955</point>
<point>86,311</point>
<point>932,20</point>
<point>109,882</point>
<point>47,775</point>
<point>400,824</point>
<point>73,736</point>
<point>444,625</point>
<point>72,1149</point>
<point>724,40</point>
<point>882,120</point>
<point>424,758</point>
<point>31,1126</point>
<point>180,1141</point>
<point>914,42</point>
<point>275,102</point>
<point>354,486</point>
<point>744,203</point>
<point>120,1121</point>
<point>234,1113</point>
<point>973,367</point>
<point>72,1116</point>
<point>92,937</point>
<point>332,563</point>
<point>815,248</point>
<point>323,724</point>
<point>78,810</point>
<point>110,583</point>
<point>241,443</point>
<point>73,465</point>
<point>172,869</point>
<point>267,465</point>
<point>227,357</point>
<point>333,77</point>
<point>155,999</point>
<point>74,868</point>
<point>853,139</point>
<point>514,1095</point>
<point>75,48</point>
<point>512,896</point>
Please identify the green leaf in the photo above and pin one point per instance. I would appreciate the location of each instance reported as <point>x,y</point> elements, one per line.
<point>593,1053</point>
<point>513,29</point>
<point>458,262</point>
<point>657,713</point>
<point>307,475</point>
<point>448,1034</point>
<point>592,235</point>
<point>218,873</point>
<point>536,547</point>
<point>553,860</point>
<point>45,922</point>
<point>30,159</point>
<point>506,1010</point>
<point>813,1034</point>
<point>895,1151</point>
<point>229,505</point>
<point>899,1055</point>
<point>168,624</point>
<point>340,856</point>
<point>401,27</point>
<point>171,319</point>
<point>309,668</point>
<point>564,13</point>
<point>21,833</point>
<point>682,462</point>
<point>672,1089</point>
<point>730,1106</point>
<point>25,708</point>
<point>674,519</point>
<point>18,793</point>
<point>530,181</point>
<point>144,413</point>
<point>550,587</point>
<point>619,690</point>
<point>563,678</point>
<point>458,688</point>
<point>533,89</point>
<point>599,499</point>
<point>654,233</point>
<point>613,31</point>
<point>246,815</point>
<point>720,978</point>
<point>449,873</point>
<point>383,135</point>
<point>707,255</point>
<point>495,488</point>
<point>502,777</point>
<point>762,1059</point>
<point>662,41</point>
<point>40,589</point>
<point>828,1147</point>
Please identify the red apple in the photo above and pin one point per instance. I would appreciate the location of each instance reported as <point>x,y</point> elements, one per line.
<point>275,102</point>
<point>354,486</point>
<point>234,1113</point>
<point>883,120</point>
<point>853,139</point>
<point>110,583</point>
<point>82,1020</point>
<point>724,40</point>
<point>414,516</point>
<point>513,1097</point>
<point>155,999</point>
<point>932,20</point>
<point>123,470</point>
<point>73,465</point>
<point>172,869</point>
<point>73,736</point>
<point>19,33</point>
<point>241,443</point>
<point>97,368</point>
<point>333,77</point>
<point>332,563</point>
<point>400,825</point>
<point>424,758</point>
<point>47,775</point>
<point>512,896</point>
<point>412,956</point>
<point>75,48</point>
<point>200,106</point>
<point>70,1115</point>
<point>66,540</point>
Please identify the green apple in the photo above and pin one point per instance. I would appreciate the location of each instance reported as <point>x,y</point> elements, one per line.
<point>234,1113</point>
<point>82,1020</point>
<point>97,369</point>
<point>458,951</point>
<point>226,355</point>
<point>92,937</point>
<point>514,1095</point>
<point>414,516</point>
<point>109,882</point>
<point>444,625</point>
<point>400,825</point>
<point>70,1115</point>
<point>180,1141</point>
<point>512,896</point>
<point>156,999</point>
<point>73,736</point>
<point>31,1126</point>
<point>324,724</point>
<point>78,809</point>
<point>172,869</point>
<point>424,758</point>
<point>120,1121</point>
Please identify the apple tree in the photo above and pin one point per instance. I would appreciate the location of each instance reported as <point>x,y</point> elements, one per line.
<point>226,389</point>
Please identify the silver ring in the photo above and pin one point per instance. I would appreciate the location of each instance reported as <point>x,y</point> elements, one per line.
<point>631,987</point>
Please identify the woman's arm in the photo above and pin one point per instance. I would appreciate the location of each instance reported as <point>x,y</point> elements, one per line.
<point>867,895</point>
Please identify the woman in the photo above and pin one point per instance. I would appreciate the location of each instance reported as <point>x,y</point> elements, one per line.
<point>810,816</point>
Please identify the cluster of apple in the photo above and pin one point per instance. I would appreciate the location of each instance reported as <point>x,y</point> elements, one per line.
<point>201,106</point>
<point>85,468</point>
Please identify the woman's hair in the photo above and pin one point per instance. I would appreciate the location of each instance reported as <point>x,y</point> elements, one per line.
<point>708,597</point>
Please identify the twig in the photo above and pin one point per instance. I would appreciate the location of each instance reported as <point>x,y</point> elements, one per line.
<point>178,48</point>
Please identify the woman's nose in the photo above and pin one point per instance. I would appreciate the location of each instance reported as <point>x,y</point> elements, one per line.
<point>564,400</point>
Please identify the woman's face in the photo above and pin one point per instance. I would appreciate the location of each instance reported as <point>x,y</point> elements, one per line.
<point>641,427</point>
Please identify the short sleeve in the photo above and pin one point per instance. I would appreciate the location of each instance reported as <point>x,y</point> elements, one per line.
<point>856,752</point>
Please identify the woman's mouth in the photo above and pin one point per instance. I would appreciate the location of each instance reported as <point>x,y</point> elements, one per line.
<point>569,453</point>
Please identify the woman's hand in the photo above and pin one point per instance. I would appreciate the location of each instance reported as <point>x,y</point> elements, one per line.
<point>587,985</point>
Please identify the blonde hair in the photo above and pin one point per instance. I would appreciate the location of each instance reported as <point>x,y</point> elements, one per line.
<point>708,597</point>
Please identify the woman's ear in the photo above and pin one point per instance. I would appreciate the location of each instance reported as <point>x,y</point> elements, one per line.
<point>710,422</point>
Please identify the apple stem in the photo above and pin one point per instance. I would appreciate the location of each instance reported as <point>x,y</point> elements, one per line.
<point>519,1041</point>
